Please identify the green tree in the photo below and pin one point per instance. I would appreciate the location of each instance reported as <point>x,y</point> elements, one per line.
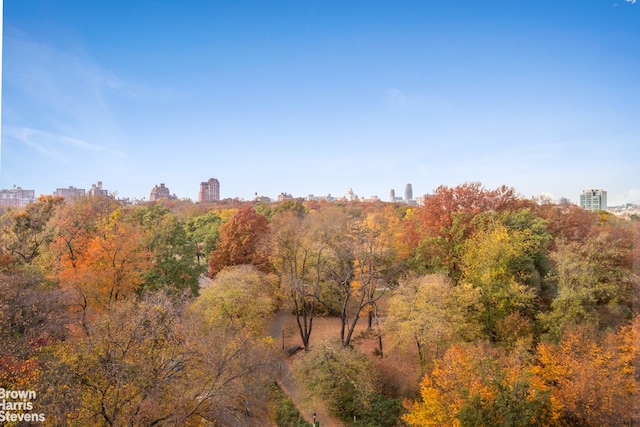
<point>344,378</point>
<point>175,265</point>
<point>500,260</point>
<point>26,231</point>
<point>203,230</point>
<point>595,283</point>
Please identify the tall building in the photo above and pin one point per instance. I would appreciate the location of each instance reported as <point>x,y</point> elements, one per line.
<point>70,193</point>
<point>16,197</point>
<point>350,196</point>
<point>209,191</point>
<point>96,190</point>
<point>160,192</point>
<point>593,200</point>
<point>408,193</point>
<point>284,196</point>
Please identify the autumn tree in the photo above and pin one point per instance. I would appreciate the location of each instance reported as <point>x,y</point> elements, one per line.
<point>25,232</point>
<point>243,240</point>
<point>502,259</point>
<point>75,224</point>
<point>569,223</point>
<point>240,299</point>
<point>146,363</point>
<point>591,376</point>
<point>430,313</point>
<point>366,266</point>
<point>304,256</point>
<point>479,385</point>
<point>106,265</point>
<point>294,206</point>
<point>437,230</point>
<point>595,282</point>
<point>33,315</point>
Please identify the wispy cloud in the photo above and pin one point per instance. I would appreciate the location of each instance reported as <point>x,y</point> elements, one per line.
<point>54,145</point>
<point>57,74</point>
<point>65,91</point>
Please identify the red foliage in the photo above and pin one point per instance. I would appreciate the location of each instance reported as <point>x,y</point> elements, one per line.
<point>243,240</point>
<point>571,223</point>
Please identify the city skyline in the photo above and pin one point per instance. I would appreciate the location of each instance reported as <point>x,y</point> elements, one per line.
<point>589,199</point>
<point>310,98</point>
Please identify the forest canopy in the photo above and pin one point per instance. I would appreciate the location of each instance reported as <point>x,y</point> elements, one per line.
<point>503,311</point>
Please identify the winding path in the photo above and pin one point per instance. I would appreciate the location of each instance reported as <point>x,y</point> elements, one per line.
<point>305,404</point>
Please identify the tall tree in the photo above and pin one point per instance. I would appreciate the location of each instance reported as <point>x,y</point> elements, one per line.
<point>203,230</point>
<point>175,266</point>
<point>26,231</point>
<point>595,282</point>
<point>33,315</point>
<point>108,268</point>
<point>501,261</point>
<point>478,385</point>
<point>147,363</point>
<point>240,299</point>
<point>442,224</point>
<point>243,240</point>
<point>366,266</point>
<point>427,312</point>
<point>592,376</point>
<point>302,257</point>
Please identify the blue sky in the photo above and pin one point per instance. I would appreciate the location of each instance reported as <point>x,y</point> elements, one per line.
<point>316,97</point>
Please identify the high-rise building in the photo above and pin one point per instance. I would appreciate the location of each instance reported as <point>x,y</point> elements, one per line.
<point>160,192</point>
<point>209,191</point>
<point>16,197</point>
<point>408,193</point>
<point>96,190</point>
<point>70,193</point>
<point>593,200</point>
<point>284,196</point>
<point>350,196</point>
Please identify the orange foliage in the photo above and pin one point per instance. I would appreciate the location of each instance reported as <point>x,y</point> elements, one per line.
<point>18,374</point>
<point>591,382</point>
<point>243,240</point>
<point>106,264</point>
<point>434,233</point>
<point>470,198</point>
<point>468,372</point>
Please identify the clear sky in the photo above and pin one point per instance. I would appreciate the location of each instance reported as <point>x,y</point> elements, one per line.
<point>316,97</point>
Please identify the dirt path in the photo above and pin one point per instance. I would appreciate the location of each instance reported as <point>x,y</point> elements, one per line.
<point>283,326</point>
